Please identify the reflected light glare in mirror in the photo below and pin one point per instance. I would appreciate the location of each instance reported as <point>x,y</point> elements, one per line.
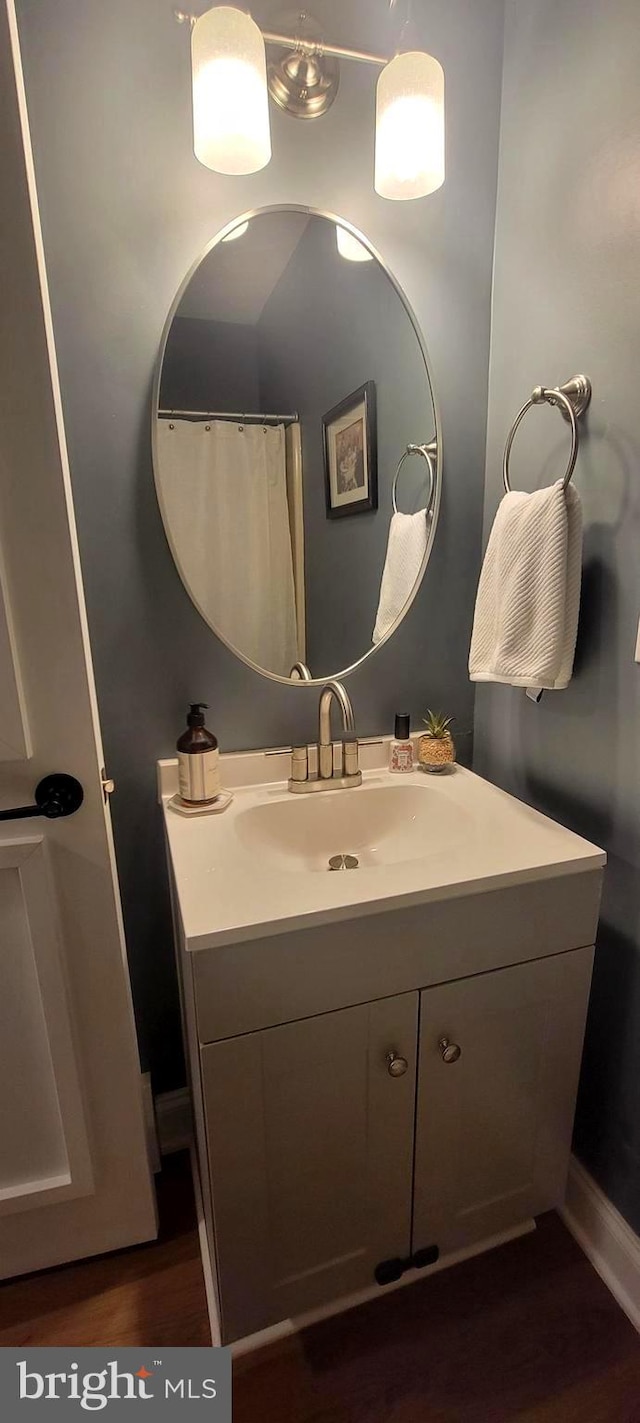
<point>231,132</point>
<point>409,159</point>
<point>350,247</point>
<point>238,231</point>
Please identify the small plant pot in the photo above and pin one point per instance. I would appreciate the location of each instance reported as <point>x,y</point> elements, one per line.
<point>436,753</point>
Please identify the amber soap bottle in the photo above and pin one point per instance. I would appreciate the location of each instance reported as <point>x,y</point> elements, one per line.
<point>198,760</point>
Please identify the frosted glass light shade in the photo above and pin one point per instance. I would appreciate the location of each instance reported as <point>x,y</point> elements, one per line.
<point>410,127</point>
<point>231,132</point>
<point>349,247</point>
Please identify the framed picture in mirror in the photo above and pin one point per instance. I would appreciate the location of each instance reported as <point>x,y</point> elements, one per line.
<point>350,453</point>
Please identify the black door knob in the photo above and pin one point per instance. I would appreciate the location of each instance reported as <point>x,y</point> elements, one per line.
<point>58,795</point>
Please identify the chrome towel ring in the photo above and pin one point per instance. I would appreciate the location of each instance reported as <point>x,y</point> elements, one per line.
<point>429,453</point>
<point>572,399</point>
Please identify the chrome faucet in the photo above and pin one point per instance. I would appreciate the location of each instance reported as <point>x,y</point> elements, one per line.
<point>329,765</point>
<point>325,744</point>
<point>334,689</point>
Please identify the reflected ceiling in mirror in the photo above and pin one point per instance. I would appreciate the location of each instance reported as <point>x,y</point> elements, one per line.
<point>292,380</point>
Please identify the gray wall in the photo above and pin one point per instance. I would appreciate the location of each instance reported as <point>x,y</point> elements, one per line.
<point>126,210</point>
<point>329,326</point>
<point>210,365</point>
<point>567,299</point>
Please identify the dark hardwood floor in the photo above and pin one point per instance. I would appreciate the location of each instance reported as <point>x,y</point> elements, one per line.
<point>526,1333</point>
<point>151,1294</point>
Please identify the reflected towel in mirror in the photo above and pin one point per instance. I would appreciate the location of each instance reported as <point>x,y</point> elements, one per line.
<point>526,616</point>
<point>406,549</point>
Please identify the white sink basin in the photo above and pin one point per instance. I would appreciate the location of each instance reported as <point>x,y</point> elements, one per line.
<point>376,825</point>
<point>261,868</point>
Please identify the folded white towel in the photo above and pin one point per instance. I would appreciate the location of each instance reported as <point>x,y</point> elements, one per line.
<point>526,617</point>
<point>405,551</point>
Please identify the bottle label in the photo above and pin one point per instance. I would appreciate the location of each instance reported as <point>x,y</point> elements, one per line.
<point>401,756</point>
<point>198,775</point>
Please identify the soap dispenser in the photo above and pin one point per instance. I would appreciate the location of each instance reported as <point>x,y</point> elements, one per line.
<point>198,763</point>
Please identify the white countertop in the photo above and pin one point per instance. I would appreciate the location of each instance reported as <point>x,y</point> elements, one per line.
<point>231,888</point>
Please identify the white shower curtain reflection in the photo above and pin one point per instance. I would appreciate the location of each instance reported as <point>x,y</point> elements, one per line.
<point>225,502</point>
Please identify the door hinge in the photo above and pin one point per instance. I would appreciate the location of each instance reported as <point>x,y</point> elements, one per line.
<point>388,1271</point>
<point>108,785</point>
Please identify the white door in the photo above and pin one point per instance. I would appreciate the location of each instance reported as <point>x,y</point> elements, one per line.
<point>74,1173</point>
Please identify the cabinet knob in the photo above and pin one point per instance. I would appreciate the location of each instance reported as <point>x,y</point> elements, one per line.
<point>396,1066</point>
<point>450,1052</point>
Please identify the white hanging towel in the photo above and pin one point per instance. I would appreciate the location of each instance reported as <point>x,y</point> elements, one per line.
<point>406,548</point>
<point>526,617</point>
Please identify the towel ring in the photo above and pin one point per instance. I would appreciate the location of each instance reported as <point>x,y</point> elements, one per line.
<point>428,453</point>
<point>572,400</point>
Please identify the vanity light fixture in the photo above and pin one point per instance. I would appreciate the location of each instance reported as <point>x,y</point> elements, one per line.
<point>231,85</point>
<point>349,246</point>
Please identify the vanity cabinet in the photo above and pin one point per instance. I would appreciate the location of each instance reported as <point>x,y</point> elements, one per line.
<point>383,1071</point>
<point>310,1140</point>
<point>388,1133</point>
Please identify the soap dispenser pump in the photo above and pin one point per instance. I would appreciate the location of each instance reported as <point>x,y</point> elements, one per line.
<point>198,760</point>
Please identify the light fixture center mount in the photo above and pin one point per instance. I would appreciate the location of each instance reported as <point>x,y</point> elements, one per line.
<point>303,81</point>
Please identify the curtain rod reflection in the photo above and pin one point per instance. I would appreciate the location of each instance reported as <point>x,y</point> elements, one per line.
<point>244,418</point>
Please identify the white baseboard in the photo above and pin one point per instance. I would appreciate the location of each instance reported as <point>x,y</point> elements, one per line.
<point>608,1242</point>
<point>150,1125</point>
<point>173,1121</point>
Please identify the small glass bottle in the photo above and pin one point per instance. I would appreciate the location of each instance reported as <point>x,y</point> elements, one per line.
<point>401,748</point>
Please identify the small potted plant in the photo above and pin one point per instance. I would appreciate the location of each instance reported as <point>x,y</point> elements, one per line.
<point>436,748</point>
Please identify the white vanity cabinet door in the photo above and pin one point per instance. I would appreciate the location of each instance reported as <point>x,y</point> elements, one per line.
<point>493,1128</point>
<point>310,1141</point>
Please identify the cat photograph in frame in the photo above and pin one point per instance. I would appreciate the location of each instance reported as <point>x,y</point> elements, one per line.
<point>350,454</point>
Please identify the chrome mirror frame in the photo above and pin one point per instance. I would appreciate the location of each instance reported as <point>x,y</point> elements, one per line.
<point>434,510</point>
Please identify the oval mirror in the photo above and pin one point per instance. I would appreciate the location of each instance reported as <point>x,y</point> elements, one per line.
<point>292,381</point>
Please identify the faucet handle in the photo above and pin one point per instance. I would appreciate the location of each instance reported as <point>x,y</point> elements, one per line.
<point>350,754</point>
<point>299,763</point>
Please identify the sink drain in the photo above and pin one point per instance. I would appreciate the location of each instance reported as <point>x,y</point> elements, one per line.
<point>343,862</point>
